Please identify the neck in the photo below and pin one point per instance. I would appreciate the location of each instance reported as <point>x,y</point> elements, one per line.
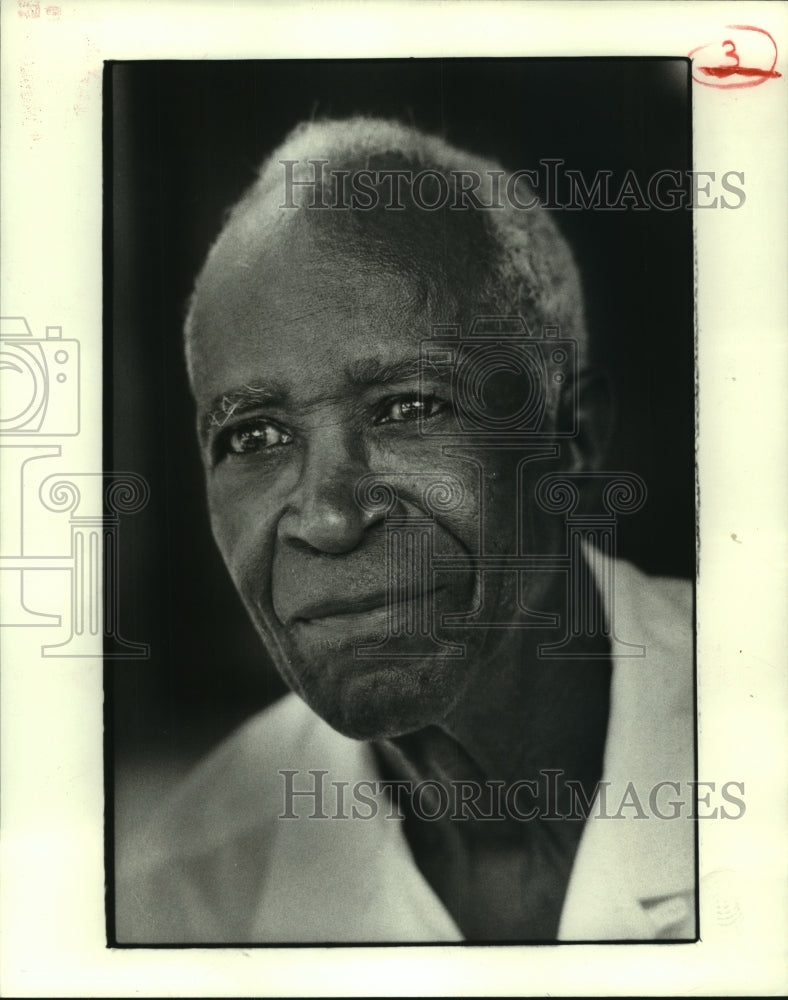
<point>521,714</point>
<point>523,718</point>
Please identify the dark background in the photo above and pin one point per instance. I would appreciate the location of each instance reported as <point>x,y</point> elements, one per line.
<point>182,141</point>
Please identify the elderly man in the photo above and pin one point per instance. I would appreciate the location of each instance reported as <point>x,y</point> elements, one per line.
<point>490,730</point>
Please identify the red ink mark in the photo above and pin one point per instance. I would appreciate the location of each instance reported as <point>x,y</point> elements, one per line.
<point>745,58</point>
<point>52,11</point>
<point>28,8</point>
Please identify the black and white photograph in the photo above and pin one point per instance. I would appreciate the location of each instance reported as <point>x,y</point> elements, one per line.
<point>392,446</point>
<point>404,351</point>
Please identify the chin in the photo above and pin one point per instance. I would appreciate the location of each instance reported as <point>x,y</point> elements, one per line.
<point>386,698</point>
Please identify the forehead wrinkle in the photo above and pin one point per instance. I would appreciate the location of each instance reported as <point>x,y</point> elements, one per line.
<point>375,371</point>
<point>343,267</point>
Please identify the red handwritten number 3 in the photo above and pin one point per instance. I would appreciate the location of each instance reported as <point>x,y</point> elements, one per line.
<point>718,64</point>
<point>731,52</point>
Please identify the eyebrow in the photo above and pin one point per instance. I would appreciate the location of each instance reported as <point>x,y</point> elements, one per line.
<point>363,374</point>
<point>236,402</point>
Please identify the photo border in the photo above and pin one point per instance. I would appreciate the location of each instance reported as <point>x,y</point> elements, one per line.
<point>52,722</point>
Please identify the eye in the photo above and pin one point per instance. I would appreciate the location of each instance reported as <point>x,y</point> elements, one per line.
<point>409,409</point>
<point>251,437</point>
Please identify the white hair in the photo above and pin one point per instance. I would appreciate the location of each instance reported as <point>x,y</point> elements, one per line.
<point>524,265</point>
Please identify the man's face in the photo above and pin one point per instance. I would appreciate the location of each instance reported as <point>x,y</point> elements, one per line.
<point>304,369</point>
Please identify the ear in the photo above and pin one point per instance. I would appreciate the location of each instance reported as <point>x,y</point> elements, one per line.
<point>591,398</point>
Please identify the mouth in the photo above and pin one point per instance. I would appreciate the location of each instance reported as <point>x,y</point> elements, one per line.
<point>339,608</point>
<point>367,616</point>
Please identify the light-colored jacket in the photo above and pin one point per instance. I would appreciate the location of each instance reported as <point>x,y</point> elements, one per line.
<point>219,865</point>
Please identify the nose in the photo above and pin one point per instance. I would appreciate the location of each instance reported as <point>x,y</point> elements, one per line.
<point>322,513</point>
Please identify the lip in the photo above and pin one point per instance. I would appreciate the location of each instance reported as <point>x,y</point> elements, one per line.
<point>342,631</point>
<point>348,612</point>
<point>340,607</point>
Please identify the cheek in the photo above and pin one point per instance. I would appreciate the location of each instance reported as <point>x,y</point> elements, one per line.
<point>461,526</point>
<point>488,516</point>
<point>243,522</point>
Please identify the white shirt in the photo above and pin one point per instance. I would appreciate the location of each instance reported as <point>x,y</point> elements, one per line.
<point>218,865</point>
